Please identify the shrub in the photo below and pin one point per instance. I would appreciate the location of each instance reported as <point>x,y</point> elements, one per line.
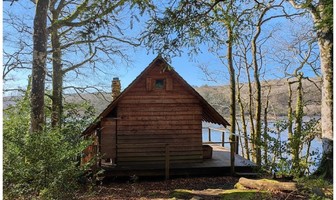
<point>41,165</point>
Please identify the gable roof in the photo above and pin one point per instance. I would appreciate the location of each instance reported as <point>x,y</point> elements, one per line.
<point>209,114</point>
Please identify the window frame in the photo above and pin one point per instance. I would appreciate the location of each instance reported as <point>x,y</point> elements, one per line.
<point>156,85</point>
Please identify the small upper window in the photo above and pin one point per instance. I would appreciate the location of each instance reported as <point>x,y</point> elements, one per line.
<point>159,83</point>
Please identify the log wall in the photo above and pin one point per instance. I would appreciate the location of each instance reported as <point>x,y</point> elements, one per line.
<point>150,117</point>
<point>108,139</point>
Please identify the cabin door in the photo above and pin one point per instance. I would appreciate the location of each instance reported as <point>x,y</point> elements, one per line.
<point>108,140</point>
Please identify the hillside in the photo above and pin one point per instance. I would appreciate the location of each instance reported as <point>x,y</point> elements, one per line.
<point>218,97</point>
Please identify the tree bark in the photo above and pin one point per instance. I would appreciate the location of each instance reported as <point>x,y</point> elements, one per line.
<point>325,41</point>
<point>322,17</point>
<point>327,90</point>
<point>291,138</point>
<point>296,140</point>
<point>244,127</point>
<point>290,112</point>
<point>257,116</point>
<point>57,75</point>
<point>265,133</point>
<point>232,138</point>
<point>265,184</point>
<point>40,38</point>
<point>232,87</point>
<point>250,105</point>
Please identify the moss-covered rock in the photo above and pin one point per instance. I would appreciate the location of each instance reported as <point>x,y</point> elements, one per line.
<point>240,186</point>
<point>235,194</point>
<point>181,194</point>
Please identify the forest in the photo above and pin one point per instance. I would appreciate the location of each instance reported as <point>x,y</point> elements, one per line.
<point>57,53</point>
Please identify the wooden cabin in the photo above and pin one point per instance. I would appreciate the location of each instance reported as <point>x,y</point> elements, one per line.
<point>158,112</point>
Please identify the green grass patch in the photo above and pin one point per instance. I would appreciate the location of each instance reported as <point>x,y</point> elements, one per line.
<point>316,187</point>
<point>181,194</point>
<point>235,194</point>
<point>269,180</point>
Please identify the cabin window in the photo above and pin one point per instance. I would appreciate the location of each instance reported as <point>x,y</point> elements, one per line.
<point>159,84</point>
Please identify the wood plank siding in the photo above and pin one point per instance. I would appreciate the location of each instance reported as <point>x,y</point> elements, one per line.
<point>108,139</point>
<point>151,117</point>
<point>158,108</point>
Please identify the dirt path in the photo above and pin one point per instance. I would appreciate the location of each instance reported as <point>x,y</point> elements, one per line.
<point>177,188</point>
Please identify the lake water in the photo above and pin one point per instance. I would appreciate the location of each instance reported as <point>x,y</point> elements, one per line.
<point>216,136</point>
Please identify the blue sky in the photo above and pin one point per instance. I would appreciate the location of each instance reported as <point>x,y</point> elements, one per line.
<point>186,66</point>
<point>140,57</point>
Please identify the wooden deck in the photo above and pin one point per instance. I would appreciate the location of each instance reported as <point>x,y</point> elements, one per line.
<point>218,165</point>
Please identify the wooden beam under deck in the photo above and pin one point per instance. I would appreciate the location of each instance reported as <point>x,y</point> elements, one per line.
<point>218,165</point>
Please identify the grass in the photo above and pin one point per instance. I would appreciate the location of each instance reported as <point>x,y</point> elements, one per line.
<point>316,188</point>
<point>209,188</point>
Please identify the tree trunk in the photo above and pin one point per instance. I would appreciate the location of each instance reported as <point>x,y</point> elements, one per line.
<point>296,140</point>
<point>327,104</point>
<point>240,140</point>
<point>307,154</point>
<point>40,38</point>
<point>57,76</point>
<point>277,153</point>
<point>244,127</point>
<point>257,116</point>
<point>325,41</point>
<point>232,87</point>
<point>265,133</point>
<point>322,18</point>
<point>265,184</point>
<point>232,97</point>
<point>250,105</point>
<point>265,136</point>
<point>290,113</point>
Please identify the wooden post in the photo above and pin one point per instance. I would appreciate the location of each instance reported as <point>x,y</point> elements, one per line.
<point>232,155</point>
<point>167,161</point>
<point>223,138</point>
<point>98,148</point>
<point>209,134</point>
<point>237,145</point>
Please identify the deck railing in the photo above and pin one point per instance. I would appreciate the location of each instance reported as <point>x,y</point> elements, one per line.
<point>233,141</point>
<point>222,142</point>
